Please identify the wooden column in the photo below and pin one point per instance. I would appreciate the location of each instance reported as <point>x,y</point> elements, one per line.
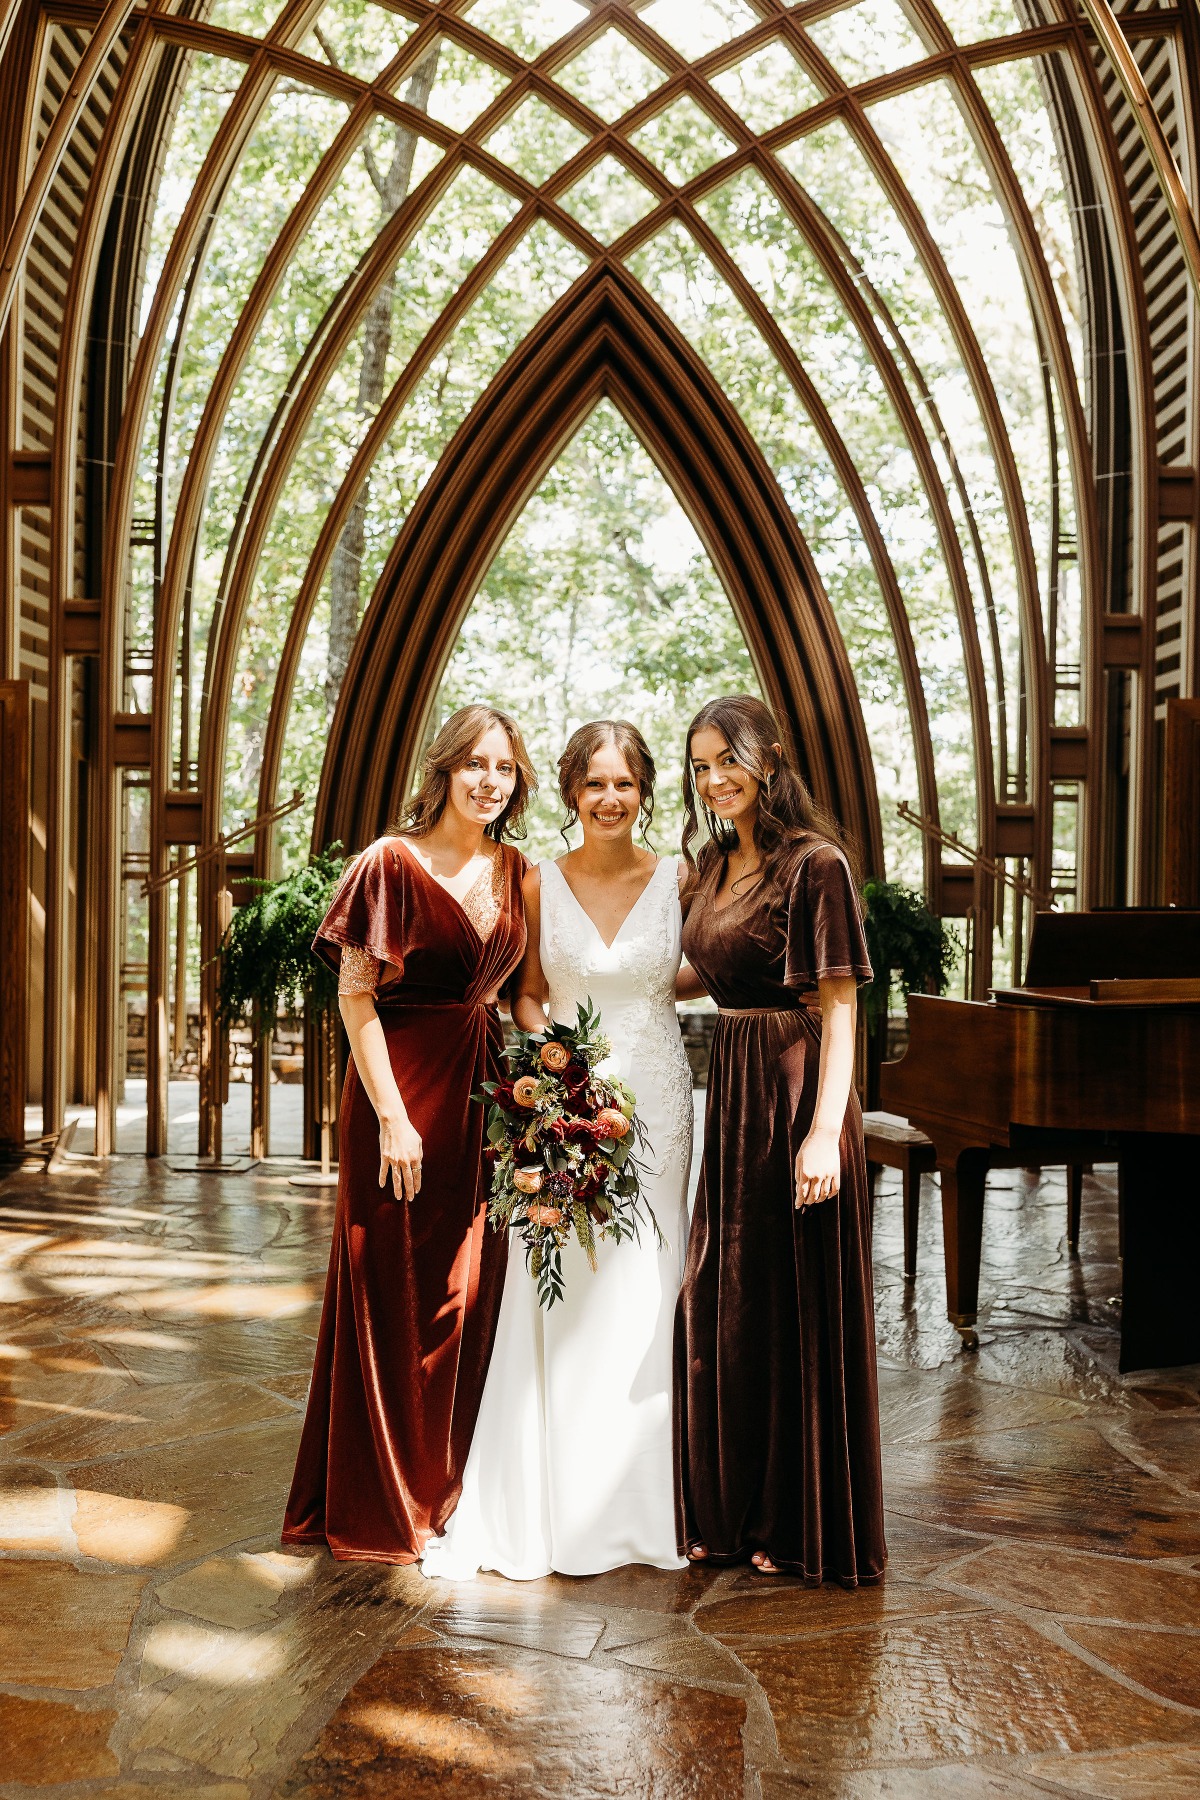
<point>14,908</point>
<point>1181,833</point>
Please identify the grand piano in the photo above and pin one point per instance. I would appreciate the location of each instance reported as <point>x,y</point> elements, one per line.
<point>1096,1058</point>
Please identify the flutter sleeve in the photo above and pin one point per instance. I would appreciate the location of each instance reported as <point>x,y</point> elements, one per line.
<point>367,911</point>
<point>825,935</point>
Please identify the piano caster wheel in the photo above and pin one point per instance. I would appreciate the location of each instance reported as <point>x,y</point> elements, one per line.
<point>966,1331</point>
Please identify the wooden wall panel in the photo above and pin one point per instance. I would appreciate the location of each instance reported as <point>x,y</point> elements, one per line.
<point>14,908</point>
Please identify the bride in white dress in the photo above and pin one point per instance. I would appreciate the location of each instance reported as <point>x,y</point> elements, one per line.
<point>570,1468</point>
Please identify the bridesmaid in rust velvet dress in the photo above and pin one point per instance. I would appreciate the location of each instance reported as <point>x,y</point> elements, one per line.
<point>426,926</point>
<point>776,1403</point>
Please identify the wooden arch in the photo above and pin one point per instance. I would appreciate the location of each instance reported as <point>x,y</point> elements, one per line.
<point>604,340</point>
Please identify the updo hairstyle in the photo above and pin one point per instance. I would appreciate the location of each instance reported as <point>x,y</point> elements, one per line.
<point>576,759</point>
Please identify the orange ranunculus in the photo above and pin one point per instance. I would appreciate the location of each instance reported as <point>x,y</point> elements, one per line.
<point>554,1056</point>
<point>524,1090</point>
<point>544,1215</point>
<point>613,1123</point>
<point>527,1181</point>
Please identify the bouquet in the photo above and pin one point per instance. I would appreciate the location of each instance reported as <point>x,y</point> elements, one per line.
<point>562,1134</point>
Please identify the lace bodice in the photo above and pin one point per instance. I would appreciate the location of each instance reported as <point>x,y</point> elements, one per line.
<point>632,983</point>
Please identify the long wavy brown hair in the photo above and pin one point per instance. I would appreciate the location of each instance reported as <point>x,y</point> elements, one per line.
<point>450,751</point>
<point>576,760</point>
<point>788,818</point>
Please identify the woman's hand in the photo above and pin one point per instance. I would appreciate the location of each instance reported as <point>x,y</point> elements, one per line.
<point>400,1153</point>
<point>818,1168</point>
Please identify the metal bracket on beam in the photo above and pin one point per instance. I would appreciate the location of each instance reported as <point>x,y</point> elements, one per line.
<point>1068,752</point>
<point>185,816</point>
<point>1122,641</point>
<point>131,740</point>
<point>81,628</point>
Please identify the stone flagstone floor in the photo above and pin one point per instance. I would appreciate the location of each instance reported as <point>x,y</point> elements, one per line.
<point>1038,1632</point>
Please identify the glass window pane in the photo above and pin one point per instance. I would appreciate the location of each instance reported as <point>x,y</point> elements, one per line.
<point>601,603</point>
<point>536,273</point>
<point>971,21</point>
<point>357,36</point>
<point>526,26</point>
<point>371,189</point>
<point>696,26</point>
<point>212,81</point>
<point>871,38</point>
<point>685,283</point>
<point>927,137</point>
<point>610,75</point>
<point>535,140</point>
<point>608,199</point>
<point>767,87</point>
<point>463,86</point>
<point>254,18</point>
<point>832,169</point>
<point>1016,98</point>
<point>683,141</point>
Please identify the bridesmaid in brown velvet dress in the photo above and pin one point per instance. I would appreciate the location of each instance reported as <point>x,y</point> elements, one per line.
<point>425,927</point>
<point>776,1403</point>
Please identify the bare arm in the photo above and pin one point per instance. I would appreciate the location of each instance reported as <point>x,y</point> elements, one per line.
<point>819,1158</point>
<point>688,984</point>
<point>529,989</point>
<point>399,1141</point>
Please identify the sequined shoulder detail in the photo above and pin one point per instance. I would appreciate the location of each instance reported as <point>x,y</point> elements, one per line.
<point>484,900</point>
<point>358,971</point>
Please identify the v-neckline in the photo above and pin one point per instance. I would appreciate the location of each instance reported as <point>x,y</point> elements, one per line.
<point>609,944</point>
<point>453,899</point>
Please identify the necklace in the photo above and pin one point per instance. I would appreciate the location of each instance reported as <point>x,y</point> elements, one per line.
<point>745,874</point>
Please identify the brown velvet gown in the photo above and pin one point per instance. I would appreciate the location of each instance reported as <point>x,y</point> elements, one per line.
<point>776,1399</point>
<point>413,1291</point>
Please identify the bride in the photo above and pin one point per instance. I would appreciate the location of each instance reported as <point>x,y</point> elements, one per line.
<point>570,1467</point>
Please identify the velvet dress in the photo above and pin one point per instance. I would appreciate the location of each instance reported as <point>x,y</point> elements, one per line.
<point>776,1397</point>
<point>414,1288</point>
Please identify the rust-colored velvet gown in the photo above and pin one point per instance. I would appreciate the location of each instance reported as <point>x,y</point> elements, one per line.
<point>413,1290</point>
<point>776,1398</point>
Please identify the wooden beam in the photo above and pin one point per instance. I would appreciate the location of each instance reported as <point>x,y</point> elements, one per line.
<point>1123,636</point>
<point>1177,494</point>
<point>29,484</point>
<point>184,816</point>
<point>14,909</point>
<point>131,734</point>
<point>957,882</point>
<point>1181,831</point>
<point>1016,830</point>
<point>81,628</point>
<point>1068,752</point>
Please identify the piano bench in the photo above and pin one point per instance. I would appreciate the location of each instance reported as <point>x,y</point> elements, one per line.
<point>892,1143</point>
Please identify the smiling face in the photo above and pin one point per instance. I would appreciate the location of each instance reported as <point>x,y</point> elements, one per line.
<point>609,798</point>
<point>725,786</point>
<point>483,787</point>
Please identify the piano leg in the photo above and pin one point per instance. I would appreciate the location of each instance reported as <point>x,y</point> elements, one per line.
<point>1160,1192</point>
<point>1074,1203</point>
<point>963,1185</point>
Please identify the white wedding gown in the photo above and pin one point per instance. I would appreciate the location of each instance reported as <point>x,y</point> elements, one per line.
<point>570,1468</point>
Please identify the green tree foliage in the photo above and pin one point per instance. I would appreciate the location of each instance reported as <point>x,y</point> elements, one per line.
<point>601,604</point>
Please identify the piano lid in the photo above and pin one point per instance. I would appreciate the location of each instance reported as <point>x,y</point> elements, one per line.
<point>1114,944</point>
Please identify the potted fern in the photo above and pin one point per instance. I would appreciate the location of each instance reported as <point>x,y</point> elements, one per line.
<point>910,947</point>
<point>266,958</point>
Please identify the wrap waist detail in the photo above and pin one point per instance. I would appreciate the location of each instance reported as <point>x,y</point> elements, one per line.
<point>386,1006</point>
<point>768,1012</point>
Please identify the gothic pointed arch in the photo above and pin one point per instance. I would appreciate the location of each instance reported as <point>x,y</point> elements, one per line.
<point>604,340</point>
